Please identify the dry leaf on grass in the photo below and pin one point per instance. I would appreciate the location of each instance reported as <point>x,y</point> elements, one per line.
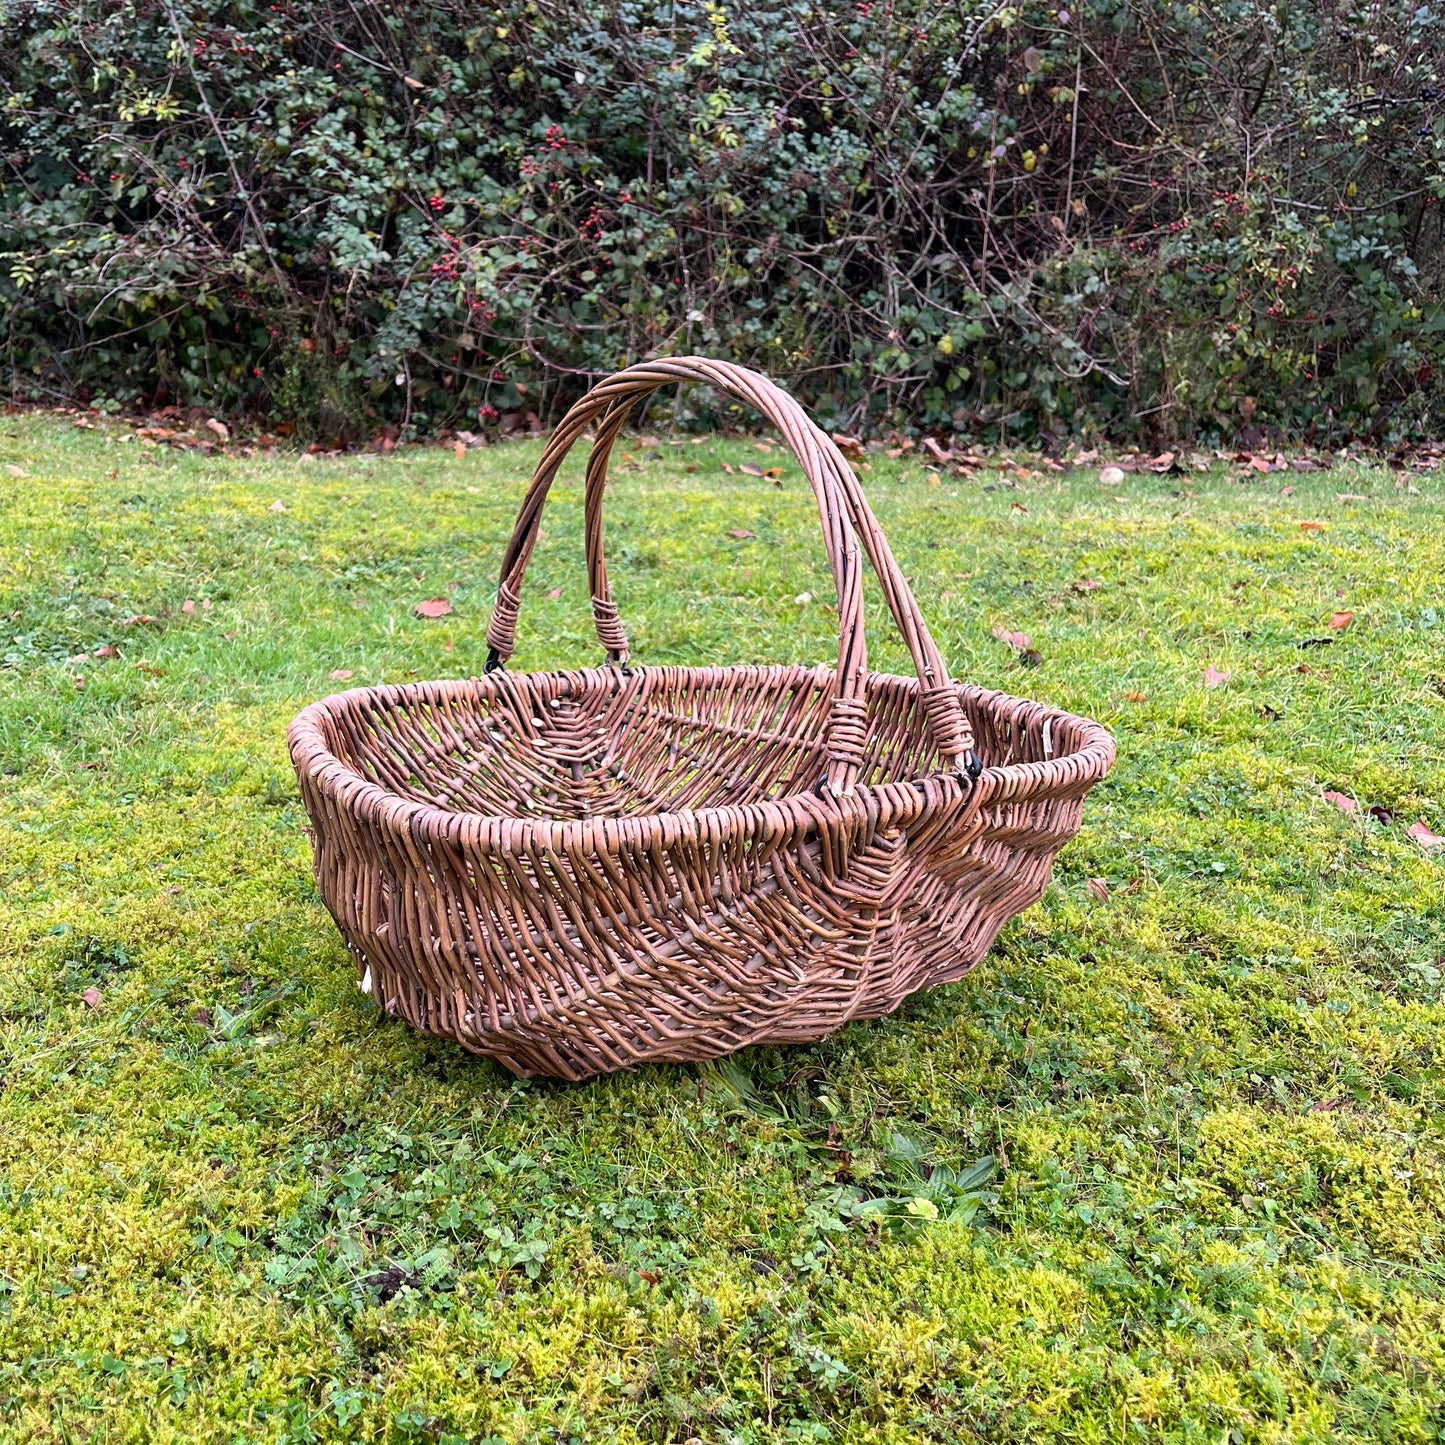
<point>1339,621</point>
<point>1214,678</point>
<point>277,506</point>
<point>434,607</point>
<point>341,674</point>
<point>741,534</point>
<point>1099,888</point>
<point>1424,837</point>
<point>1342,801</point>
<point>1311,526</point>
<point>1111,476</point>
<point>91,997</point>
<point>554,594</point>
<point>1019,641</point>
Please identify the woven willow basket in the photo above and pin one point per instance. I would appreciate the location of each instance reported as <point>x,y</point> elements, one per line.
<point>574,872</point>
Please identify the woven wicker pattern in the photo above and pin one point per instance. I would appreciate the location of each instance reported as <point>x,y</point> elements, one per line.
<point>573,872</point>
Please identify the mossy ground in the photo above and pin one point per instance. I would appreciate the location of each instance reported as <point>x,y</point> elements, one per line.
<point>238,1204</point>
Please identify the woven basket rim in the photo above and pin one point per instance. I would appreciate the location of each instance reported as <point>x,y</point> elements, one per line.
<point>888,804</point>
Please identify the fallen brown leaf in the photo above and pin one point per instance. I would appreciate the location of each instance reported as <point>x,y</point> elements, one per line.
<point>91,997</point>
<point>106,650</point>
<point>188,605</point>
<point>1339,621</point>
<point>277,506</point>
<point>341,674</point>
<point>14,470</point>
<point>434,607</point>
<point>1099,888</point>
<point>740,534</point>
<point>554,594</point>
<point>1311,526</point>
<point>1085,584</point>
<point>219,427</point>
<point>1132,696</point>
<point>459,450</point>
<point>750,469</point>
<point>1424,837</point>
<point>1019,641</point>
<point>1342,801</point>
<point>1214,678</point>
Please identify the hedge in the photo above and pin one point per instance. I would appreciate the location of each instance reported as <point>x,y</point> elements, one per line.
<point>1144,218</point>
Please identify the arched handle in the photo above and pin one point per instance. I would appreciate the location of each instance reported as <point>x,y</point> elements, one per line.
<point>844,513</point>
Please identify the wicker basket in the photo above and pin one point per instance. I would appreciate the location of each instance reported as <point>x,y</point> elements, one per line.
<point>574,872</point>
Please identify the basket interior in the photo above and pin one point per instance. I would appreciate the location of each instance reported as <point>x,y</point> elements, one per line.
<point>598,744</point>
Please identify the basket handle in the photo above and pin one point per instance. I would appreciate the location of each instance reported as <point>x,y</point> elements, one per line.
<point>844,513</point>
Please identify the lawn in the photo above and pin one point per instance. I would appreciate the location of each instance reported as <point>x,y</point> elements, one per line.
<point>1192,1108</point>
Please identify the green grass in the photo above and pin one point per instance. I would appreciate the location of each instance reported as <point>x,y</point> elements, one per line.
<point>1214,1100</point>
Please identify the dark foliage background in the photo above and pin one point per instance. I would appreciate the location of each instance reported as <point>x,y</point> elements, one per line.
<point>1154,219</point>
